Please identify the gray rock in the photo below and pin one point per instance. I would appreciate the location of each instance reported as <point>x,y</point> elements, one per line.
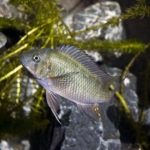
<point>96,14</point>
<point>14,144</point>
<point>131,96</point>
<point>5,146</point>
<point>129,91</point>
<point>147,118</point>
<point>84,133</point>
<point>57,137</point>
<point>3,39</point>
<point>146,122</point>
<point>9,11</point>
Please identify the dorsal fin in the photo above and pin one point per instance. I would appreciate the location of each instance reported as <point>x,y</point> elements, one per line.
<point>88,63</point>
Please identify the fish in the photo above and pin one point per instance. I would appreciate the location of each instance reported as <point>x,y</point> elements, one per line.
<point>3,39</point>
<point>69,72</point>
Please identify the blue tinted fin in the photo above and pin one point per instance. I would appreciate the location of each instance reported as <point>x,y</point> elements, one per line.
<point>91,110</point>
<point>53,103</point>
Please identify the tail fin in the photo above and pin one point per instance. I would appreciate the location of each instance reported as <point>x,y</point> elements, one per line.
<point>114,91</point>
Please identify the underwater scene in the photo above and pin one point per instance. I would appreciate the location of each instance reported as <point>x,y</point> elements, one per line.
<point>74,75</point>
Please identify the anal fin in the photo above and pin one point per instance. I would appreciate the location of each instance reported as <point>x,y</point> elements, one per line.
<point>91,110</point>
<point>53,103</point>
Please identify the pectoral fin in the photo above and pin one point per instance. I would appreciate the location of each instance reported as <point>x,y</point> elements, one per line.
<point>64,80</point>
<point>53,103</point>
<point>91,110</point>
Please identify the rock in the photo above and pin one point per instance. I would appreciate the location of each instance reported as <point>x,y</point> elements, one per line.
<point>131,95</point>
<point>147,117</point>
<point>9,11</point>
<point>81,131</point>
<point>5,146</point>
<point>69,5</point>
<point>14,144</point>
<point>84,133</point>
<point>3,39</point>
<point>94,15</point>
<point>146,122</point>
<point>58,137</point>
<point>129,91</point>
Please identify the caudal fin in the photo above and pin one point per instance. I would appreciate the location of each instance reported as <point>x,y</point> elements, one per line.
<point>114,91</point>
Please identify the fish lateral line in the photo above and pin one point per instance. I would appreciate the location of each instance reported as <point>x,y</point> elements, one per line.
<point>87,63</point>
<point>87,71</point>
<point>63,78</point>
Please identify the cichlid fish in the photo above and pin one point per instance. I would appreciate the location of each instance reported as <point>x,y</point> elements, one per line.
<point>68,72</point>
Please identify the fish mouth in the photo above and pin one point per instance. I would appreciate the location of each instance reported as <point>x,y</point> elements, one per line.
<point>22,60</point>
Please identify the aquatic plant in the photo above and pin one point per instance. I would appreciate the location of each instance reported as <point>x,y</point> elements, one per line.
<point>44,27</point>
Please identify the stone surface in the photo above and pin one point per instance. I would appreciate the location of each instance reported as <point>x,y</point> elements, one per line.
<point>146,122</point>
<point>94,15</point>
<point>84,133</point>
<point>5,146</point>
<point>9,11</point>
<point>14,144</point>
<point>72,7</point>
<point>130,94</point>
<point>3,39</point>
<point>147,118</point>
<point>81,131</point>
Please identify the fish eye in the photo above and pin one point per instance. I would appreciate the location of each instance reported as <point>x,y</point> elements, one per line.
<point>36,57</point>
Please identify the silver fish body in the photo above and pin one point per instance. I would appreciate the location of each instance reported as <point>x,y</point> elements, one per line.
<point>70,73</point>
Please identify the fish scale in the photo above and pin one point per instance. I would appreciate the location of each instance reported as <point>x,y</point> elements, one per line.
<point>81,83</point>
<point>68,72</point>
